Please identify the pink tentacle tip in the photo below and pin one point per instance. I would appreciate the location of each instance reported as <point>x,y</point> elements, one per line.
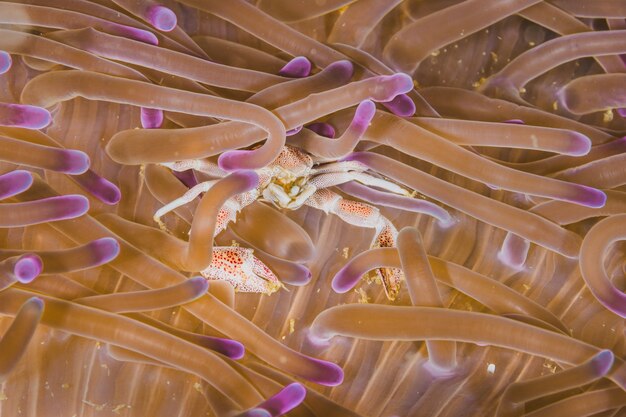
<point>343,68</point>
<point>74,162</point>
<point>401,106</point>
<point>36,302</point>
<point>327,373</point>
<point>23,115</point>
<point>344,280</point>
<point>322,129</point>
<point>15,182</point>
<point>238,160</point>
<point>302,277</point>
<point>580,145</point>
<point>299,67</point>
<point>249,178</point>
<point>104,250</point>
<point>590,197</point>
<point>161,17</point>
<point>5,62</point>
<point>602,362</point>
<point>364,114</point>
<point>27,268</point>
<point>293,131</point>
<point>284,401</point>
<point>139,35</point>
<point>67,206</point>
<point>151,118</point>
<point>99,187</point>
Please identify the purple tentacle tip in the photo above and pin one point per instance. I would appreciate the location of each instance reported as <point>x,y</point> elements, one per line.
<point>102,189</point>
<point>343,68</point>
<point>227,347</point>
<point>344,280</point>
<point>15,182</point>
<point>400,83</point>
<point>187,177</point>
<point>603,362</point>
<point>328,374</point>
<point>580,145</point>
<point>401,106</point>
<point>22,115</point>
<point>298,67</point>
<point>27,268</point>
<point>621,112</point>
<point>322,129</point>
<point>74,162</point>
<point>286,400</point>
<point>364,113</point>
<point>161,18</point>
<point>515,122</point>
<point>235,160</point>
<point>590,197</point>
<point>293,131</point>
<point>199,284</point>
<point>139,35</point>
<point>302,277</point>
<point>68,206</point>
<point>250,178</point>
<point>5,62</point>
<point>105,250</point>
<point>514,251</point>
<point>37,302</point>
<point>151,118</point>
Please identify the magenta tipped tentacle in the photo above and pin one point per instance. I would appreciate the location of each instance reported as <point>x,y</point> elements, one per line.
<point>103,250</point>
<point>402,105</point>
<point>298,67</point>
<point>151,118</point>
<point>14,182</point>
<point>187,177</point>
<point>286,400</point>
<point>391,86</point>
<point>161,17</point>
<point>227,347</point>
<point>138,34</point>
<point>22,115</point>
<point>21,268</point>
<point>514,251</point>
<point>27,268</point>
<point>323,129</point>
<point>303,277</point>
<point>293,131</point>
<point>99,187</point>
<point>363,115</point>
<point>5,62</point>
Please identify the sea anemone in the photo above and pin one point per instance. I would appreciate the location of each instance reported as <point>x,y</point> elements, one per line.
<point>488,133</point>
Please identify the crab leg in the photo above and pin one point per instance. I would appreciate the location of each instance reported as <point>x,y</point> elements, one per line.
<point>341,177</point>
<point>363,215</point>
<point>244,271</point>
<point>199,165</point>
<point>192,193</point>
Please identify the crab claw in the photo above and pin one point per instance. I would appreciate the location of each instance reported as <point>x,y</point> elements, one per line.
<point>390,277</point>
<point>242,270</point>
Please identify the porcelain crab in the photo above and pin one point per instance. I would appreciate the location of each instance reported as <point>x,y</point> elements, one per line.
<point>294,179</point>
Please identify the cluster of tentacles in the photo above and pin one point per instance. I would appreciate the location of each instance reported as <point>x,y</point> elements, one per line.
<point>505,118</point>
